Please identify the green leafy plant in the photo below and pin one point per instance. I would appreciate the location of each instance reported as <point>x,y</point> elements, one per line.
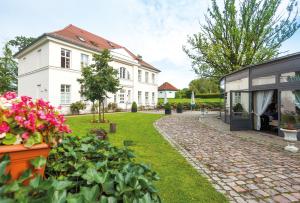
<point>77,106</point>
<point>167,106</point>
<point>82,170</point>
<point>134,107</point>
<point>38,190</point>
<point>288,120</point>
<point>99,171</point>
<point>179,108</point>
<point>238,108</point>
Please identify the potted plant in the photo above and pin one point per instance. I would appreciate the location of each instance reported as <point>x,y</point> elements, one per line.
<point>134,107</point>
<point>238,109</point>
<point>168,109</point>
<point>179,108</point>
<point>289,130</point>
<point>27,130</point>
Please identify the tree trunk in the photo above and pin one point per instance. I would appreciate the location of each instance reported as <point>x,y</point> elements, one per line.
<point>103,112</point>
<point>94,109</point>
<point>99,110</point>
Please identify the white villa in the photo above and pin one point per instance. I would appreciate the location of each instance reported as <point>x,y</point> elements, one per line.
<point>50,66</point>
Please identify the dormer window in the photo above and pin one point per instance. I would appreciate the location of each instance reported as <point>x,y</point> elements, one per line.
<point>81,38</point>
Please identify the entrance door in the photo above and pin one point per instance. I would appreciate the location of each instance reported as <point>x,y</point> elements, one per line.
<point>240,110</point>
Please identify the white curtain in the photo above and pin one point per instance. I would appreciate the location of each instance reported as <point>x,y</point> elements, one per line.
<point>262,101</point>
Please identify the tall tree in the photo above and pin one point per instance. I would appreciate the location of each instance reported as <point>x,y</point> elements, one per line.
<point>8,66</point>
<point>204,85</point>
<point>99,79</point>
<point>232,38</point>
<point>21,42</point>
<point>8,71</point>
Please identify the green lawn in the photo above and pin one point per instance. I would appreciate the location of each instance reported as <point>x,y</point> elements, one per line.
<point>180,182</point>
<point>206,100</point>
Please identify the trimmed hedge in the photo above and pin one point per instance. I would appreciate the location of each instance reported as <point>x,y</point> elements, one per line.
<point>198,105</point>
<point>206,96</point>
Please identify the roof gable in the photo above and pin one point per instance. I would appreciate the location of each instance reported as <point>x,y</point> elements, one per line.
<point>80,37</point>
<point>167,87</point>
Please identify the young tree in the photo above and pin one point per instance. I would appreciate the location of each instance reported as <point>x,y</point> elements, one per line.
<point>98,79</point>
<point>232,38</point>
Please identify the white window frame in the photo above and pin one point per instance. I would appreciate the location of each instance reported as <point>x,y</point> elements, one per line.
<point>128,96</point>
<point>63,55</point>
<point>140,97</point>
<point>153,78</point>
<point>122,73</point>
<point>65,94</point>
<point>84,60</point>
<point>140,75</point>
<point>146,77</point>
<point>146,97</point>
<point>153,97</point>
<point>122,97</point>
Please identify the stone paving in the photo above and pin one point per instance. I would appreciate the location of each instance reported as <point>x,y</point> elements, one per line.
<point>243,169</point>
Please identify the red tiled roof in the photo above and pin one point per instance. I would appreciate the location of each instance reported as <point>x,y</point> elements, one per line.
<point>167,86</point>
<point>89,40</point>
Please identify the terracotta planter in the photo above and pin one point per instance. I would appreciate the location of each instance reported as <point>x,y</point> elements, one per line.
<point>20,157</point>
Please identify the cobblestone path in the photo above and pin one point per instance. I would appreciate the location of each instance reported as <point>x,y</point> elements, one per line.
<point>244,170</point>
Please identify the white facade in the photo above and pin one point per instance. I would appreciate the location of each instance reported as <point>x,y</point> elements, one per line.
<point>41,75</point>
<point>170,94</point>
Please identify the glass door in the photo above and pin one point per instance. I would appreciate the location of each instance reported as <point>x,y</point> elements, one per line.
<point>240,110</point>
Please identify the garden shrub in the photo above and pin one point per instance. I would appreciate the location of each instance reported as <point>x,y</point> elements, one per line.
<point>208,96</point>
<point>82,170</point>
<point>38,190</point>
<point>77,106</point>
<point>134,107</point>
<point>99,171</point>
<point>112,106</point>
<point>167,106</point>
<point>179,108</point>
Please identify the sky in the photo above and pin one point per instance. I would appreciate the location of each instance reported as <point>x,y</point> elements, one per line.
<point>155,29</point>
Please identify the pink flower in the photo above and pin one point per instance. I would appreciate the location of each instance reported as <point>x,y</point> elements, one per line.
<point>41,115</point>
<point>25,135</point>
<point>41,127</point>
<point>4,127</point>
<point>19,119</point>
<point>10,95</point>
<point>25,99</point>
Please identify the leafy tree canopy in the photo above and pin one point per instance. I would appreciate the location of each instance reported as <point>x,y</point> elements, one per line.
<point>204,85</point>
<point>99,79</point>
<point>236,37</point>
<point>8,66</point>
<point>20,42</point>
